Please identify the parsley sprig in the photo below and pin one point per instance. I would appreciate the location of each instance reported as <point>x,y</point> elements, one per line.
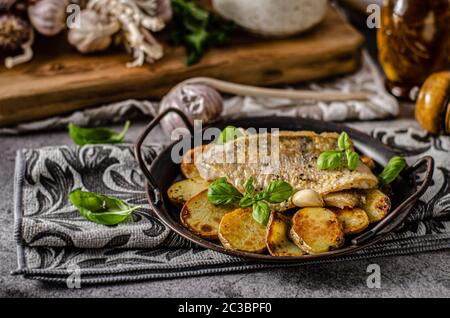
<point>197,29</point>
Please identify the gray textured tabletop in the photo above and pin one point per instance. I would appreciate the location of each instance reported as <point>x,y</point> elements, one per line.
<point>419,275</point>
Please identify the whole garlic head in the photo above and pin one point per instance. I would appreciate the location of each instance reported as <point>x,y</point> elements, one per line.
<point>48,16</point>
<point>93,34</point>
<point>307,198</point>
<point>197,101</point>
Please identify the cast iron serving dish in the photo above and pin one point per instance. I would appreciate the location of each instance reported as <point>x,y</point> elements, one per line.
<point>407,189</point>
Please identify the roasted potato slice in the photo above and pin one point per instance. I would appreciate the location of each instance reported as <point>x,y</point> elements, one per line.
<point>376,205</point>
<point>368,161</point>
<point>277,236</point>
<point>342,199</point>
<point>239,231</point>
<point>202,217</point>
<point>188,168</point>
<point>316,230</point>
<point>353,220</point>
<point>184,190</point>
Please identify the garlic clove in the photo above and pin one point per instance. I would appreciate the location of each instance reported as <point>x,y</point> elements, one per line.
<point>307,198</point>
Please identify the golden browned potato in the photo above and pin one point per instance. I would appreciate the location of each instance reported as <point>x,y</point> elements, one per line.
<point>343,199</point>
<point>188,168</point>
<point>239,231</point>
<point>376,205</point>
<point>184,190</point>
<point>353,220</point>
<point>277,236</point>
<point>316,230</point>
<point>368,161</point>
<point>202,217</point>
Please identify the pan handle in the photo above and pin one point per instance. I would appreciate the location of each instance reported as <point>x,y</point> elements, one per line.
<point>378,229</point>
<point>138,147</point>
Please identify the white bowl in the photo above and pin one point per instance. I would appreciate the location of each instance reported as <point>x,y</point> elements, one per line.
<point>273,18</point>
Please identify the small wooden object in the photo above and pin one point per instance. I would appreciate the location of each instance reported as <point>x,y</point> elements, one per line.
<point>433,103</point>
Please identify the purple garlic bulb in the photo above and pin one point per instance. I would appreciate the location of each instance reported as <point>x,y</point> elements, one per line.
<point>197,101</point>
<point>48,16</point>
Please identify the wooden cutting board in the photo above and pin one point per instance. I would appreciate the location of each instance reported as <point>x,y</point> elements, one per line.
<point>59,80</point>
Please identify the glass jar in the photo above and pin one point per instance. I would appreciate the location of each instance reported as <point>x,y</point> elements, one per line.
<point>413,42</point>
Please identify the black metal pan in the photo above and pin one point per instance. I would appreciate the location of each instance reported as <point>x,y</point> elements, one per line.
<point>407,190</point>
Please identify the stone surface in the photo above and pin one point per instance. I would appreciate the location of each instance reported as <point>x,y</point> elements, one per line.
<point>419,275</point>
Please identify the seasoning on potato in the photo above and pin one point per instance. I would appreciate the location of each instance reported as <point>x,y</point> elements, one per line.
<point>238,230</point>
<point>353,220</point>
<point>184,190</point>
<point>316,230</point>
<point>277,236</point>
<point>202,217</point>
<point>377,205</point>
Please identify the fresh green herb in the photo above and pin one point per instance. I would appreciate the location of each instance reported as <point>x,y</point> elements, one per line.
<point>333,159</point>
<point>352,159</point>
<point>246,201</point>
<point>261,212</point>
<point>343,141</point>
<point>392,170</point>
<point>278,191</point>
<point>228,133</point>
<point>84,136</point>
<point>197,29</point>
<point>100,208</point>
<point>222,192</point>
<point>249,187</point>
<point>330,159</point>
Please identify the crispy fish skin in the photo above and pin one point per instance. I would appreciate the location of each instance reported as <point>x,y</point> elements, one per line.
<point>287,155</point>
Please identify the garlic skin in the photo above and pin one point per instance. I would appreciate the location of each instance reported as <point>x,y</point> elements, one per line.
<point>197,101</point>
<point>159,8</point>
<point>93,34</point>
<point>307,198</point>
<point>48,16</point>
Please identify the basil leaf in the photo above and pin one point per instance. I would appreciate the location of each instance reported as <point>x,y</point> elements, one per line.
<point>100,208</point>
<point>392,170</point>
<point>221,192</point>
<point>248,186</point>
<point>330,159</point>
<point>278,191</point>
<point>343,141</point>
<point>352,159</point>
<point>84,136</point>
<point>246,201</point>
<point>263,195</point>
<point>228,133</point>
<point>261,212</point>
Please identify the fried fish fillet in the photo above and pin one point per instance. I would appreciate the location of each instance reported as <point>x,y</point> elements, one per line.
<point>287,155</point>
